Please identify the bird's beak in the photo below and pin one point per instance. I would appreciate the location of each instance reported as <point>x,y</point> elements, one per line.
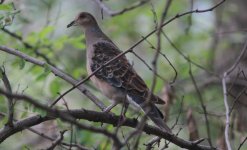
<point>71,24</point>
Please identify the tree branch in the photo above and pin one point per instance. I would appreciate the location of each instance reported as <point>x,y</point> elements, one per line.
<point>56,72</point>
<point>115,13</point>
<point>90,116</point>
<point>53,113</point>
<point>225,75</point>
<point>57,141</point>
<point>10,99</point>
<point>202,105</point>
<point>28,46</point>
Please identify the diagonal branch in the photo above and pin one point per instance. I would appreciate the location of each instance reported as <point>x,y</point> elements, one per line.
<point>115,13</point>
<point>28,46</point>
<point>56,72</point>
<point>10,99</point>
<point>202,105</point>
<point>57,141</point>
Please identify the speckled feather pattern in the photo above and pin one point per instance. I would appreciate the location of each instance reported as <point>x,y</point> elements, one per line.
<point>118,80</point>
<point>119,73</point>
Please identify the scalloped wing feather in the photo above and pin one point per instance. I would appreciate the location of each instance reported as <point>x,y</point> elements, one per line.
<point>119,73</point>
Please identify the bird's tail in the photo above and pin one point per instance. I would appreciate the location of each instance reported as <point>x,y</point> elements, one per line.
<point>157,117</point>
<point>152,112</point>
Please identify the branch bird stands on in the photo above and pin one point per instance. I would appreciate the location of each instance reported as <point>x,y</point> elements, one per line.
<point>117,80</point>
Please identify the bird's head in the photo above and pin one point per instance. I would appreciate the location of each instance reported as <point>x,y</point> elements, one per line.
<point>83,19</point>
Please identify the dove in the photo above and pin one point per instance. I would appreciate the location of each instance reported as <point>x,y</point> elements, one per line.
<point>118,80</point>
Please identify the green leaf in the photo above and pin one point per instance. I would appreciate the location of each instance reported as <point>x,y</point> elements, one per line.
<point>43,75</point>
<point>6,7</point>
<point>55,87</point>
<point>22,63</point>
<point>43,33</point>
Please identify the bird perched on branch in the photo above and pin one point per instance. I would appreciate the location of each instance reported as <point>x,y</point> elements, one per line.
<point>117,80</point>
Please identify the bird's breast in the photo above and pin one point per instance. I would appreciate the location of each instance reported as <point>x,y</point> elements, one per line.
<point>107,89</point>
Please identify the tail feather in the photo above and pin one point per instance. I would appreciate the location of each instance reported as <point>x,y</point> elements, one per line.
<point>152,112</point>
<point>157,117</point>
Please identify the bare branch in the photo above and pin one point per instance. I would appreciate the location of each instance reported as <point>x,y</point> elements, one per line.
<point>56,72</point>
<point>10,99</point>
<point>57,141</point>
<point>91,116</point>
<point>80,147</point>
<point>202,105</point>
<point>242,143</point>
<point>115,13</point>
<point>156,55</point>
<point>162,54</point>
<point>185,57</point>
<point>54,113</point>
<point>225,75</point>
<point>145,63</point>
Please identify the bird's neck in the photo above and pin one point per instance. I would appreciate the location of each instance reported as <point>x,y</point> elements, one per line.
<point>93,34</point>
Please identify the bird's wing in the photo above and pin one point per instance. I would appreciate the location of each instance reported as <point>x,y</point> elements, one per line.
<point>119,73</point>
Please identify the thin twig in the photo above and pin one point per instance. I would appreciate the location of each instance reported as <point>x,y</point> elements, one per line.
<point>237,98</point>
<point>242,143</point>
<point>57,141</point>
<point>10,99</point>
<point>202,105</point>
<point>187,58</point>
<point>56,72</point>
<point>162,54</point>
<point>225,75</point>
<point>151,143</point>
<point>156,55</point>
<point>28,46</point>
<point>150,68</point>
<point>65,117</point>
<point>180,111</point>
<point>115,13</point>
<point>80,147</point>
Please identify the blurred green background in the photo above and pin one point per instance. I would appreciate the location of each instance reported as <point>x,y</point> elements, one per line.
<point>200,37</point>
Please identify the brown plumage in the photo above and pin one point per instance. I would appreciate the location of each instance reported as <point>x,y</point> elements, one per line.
<point>118,80</point>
